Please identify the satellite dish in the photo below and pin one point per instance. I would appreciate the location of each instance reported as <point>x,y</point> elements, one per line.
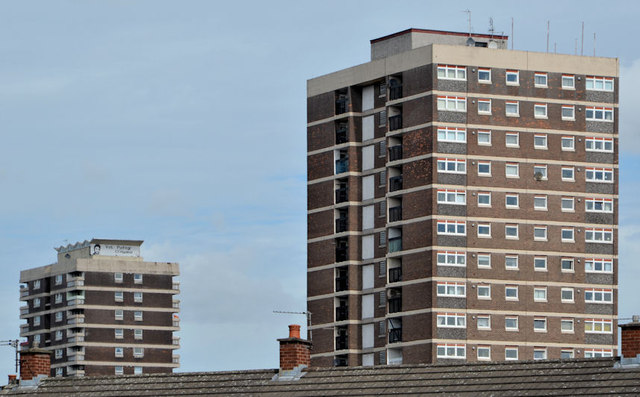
<point>471,42</point>
<point>538,176</point>
<point>493,44</point>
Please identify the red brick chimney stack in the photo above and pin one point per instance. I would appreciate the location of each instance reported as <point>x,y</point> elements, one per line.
<point>34,362</point>
<point>631,338</point>
<point>294,351</point>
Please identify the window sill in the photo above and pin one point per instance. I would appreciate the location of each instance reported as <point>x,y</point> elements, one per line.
<point>541,117</point>
<point>512,114</point>
<point>513,146</point>
<point>568,119</point>
<point>484,113</point>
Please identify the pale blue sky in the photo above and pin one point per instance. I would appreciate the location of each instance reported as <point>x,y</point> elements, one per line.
<point>183,124</point>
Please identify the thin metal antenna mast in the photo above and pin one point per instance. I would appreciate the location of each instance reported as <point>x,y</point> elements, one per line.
<point>468,11</point>
<point>582,41</point>
<point>594,43</point>
<point>548,22</point>
<point>512,33</point>
<point>13,343</point>
<point>307,313</point>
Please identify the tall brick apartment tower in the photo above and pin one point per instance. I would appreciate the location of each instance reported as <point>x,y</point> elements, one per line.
<point>462,204</point>
<point>102,310</point>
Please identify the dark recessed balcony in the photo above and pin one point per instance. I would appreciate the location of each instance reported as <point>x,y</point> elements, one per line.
<point>341,135</point>
<point>342,313</point>
<point>395,244</point>
<point>342,342</point>
<point>395,305</point>
<point>395,274</point>
<point>341,195</point>
<point>342,104</point>
<point>395,335</point>
<point>395,183</point>
<point>342,165</point>
<point>395,153</point>
<point>341,225</point>
<point>395,122</point>
<point>395,92</point>
<point>395,214</point>
<point>342,283</point>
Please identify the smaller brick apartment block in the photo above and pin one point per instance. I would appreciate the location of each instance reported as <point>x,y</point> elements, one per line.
<point>102,310</point>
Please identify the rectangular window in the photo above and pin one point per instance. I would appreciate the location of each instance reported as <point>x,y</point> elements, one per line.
<point>540,110</point>
<point>567,204</point>
<point>484,322</point>
<point>447,196</point>
<point>484,292</point>
<point>593,144</point>
<point>138,352</point>
<point>511,201</point>
<point>137,316</point>
<point>484,260</point>
<point>117,277</point>
<point>451,351</point>
<point>567,235</point>
<point>448,258</point>
<point>513,77</point>
<point>566,264</point>
<point>36,321</point>
<point>119,333</point>
<point>137,278</point>
<point>512,170</point>
<point>595,83</point>
<point>58,317</point>
<point>58,353</point>
<point>484,353</point>
<point>568,143</point>
<point>568,174</point>
<point>453,166</point>
<point>382,118</point>
<point>452,103</point>
<point>594,265</point>
<point>36,302</point>
<point>540,324</point>
<point>512,139</point>
<point>137,370</point>
<point>566,325</point>
<point>597,326</point>
<point>540,263</point>
<point>119,370</point>
<point>137,296</point>
<point>599,175</point>
<point>539,354</point>
<point>452,228</point>
<point>540,172</point>
<point>510,353</point>
<point>568,82</point>
<point>566,295</point>
<point>540,294</point>
<point>119,315</point>
<point>598,295</point>
<point>511,262</point>
<point>540,80</point>
<point>593,235</point>
<point>484,199</point>
<point>57,298</point>
<point>540,233</point>
<point>452,72</point>
<point>511,231</point>
<point>484,138</point>
<point>137,334</point>
<point>568,112</point>
<point>595,113</point>
<point>118,296</point>
<point>36,284</point>
<point>512,108</point>
<point>511,323</point>
<point>484,106</point>
<point>540,203</point>
<point>484,75</point>
<point>484,230</point>
<point>598,205</point>
<point>597,353</point>
<point>450,134</point>
<point>511,292</point>
<point>452,320</point>
<point>58,335</point>
<point>58,279</point>
<point>566,353</point>
<point>484,168</point>
<point>119,352</point>
<point>540,141</point>
<point>457,290</point>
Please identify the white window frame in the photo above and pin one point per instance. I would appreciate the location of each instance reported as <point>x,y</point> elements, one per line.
<point>537,321</point>
<point>482,71</point>
<point>597,265</point>
<point>512,73</point>
<point>511,288</point>
<point>572,170</point>
<point>568,112</point>
<point>445,134</point>
<point>137,296</point>
<point>484,261</point>
<point>484,230</point>
<point>606,83</point>
<point>484,195</point>
<point>138,315</point>
<point>451,289</point>
<point>567,321</point>
<point>540,353</point>
<point>512,170</point>
<point>567,290</point>
<point>508,105</point>
<point>594,204</point>
<point>484,353</point>
<point>58,354</point>
<point>596,144</point>
<point>119,333</point>
<point>138,352</point>
<point>508,228</point>
<point>571,147</point>
<point>456,228</point>
<point>138,370</point>
<point>539,76</point>
<point>508,353</point>
<point>599,175</point>
<point>59,371</point>
<point>118,296</point>
<point>540,294</point>
<point>486,134</point>
<point>512,195</point>
<point>57,279</point>
<point>599,113</point>
<point>138,334</point>
<point>540,111</point>
<point>137,278</point>
<point>487,325</point>
<point>119,314</point>
<point>459,165</point>
<point>537,230</point>
<point>118,277</point>
<point>544,138</point>
<point>118,351</point>
<point>451,350</point>
<point>541,168</point>
<point>511,257</point>
<point>484,164</point>
<point>119,370</point>
<point>486,292</point>
<point>36,321</point>
<point>597,353</point>
<point>564,200</point>
<point>451,320</point>
<point>595,323</point>
<point>35,284</point>
<point>540,259</point>
<point>452,103</point>
<point>452,72</point>
<point>598,235</point>
<point>459,259</point>
<point>566,78</point>
<point>58,317</point>
<point>486,104</point>
<point>512,134</point>
<point>598,295</point>
<point>567,261</point>
<point>568,235</point>
<point>537,200</point>
<point>507,328</point>
<point>452,196</point>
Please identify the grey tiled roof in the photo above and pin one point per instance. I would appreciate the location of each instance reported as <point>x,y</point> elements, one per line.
<point>522,378</point>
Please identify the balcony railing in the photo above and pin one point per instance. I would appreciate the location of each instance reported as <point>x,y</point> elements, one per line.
<point>395,153</point>
<point>341,135</point>
<point>342,313</point>
<point>176,304</point>
<point>395,335</point>
<point>395,183</point>
<point>176,286</point>
<point>24,292</point>
<point>76,339</point>
<point>341,225</point>
<point>176,359</point>
<point>176,340</point>
<point>395,214</point>
<point>342,283</point>
<point>395,274</point>
<point>395,244</point>
<point>24,310</point>
<point>75,371</point>
<point>342,165</point>
<point>395,92</point>
<point>75,283</point>
<point>341,195</point>
<point>342,342</point>
<point>395,122</point>
<point>75,319</point>
<point>74,301</point>
<point>395,305</point>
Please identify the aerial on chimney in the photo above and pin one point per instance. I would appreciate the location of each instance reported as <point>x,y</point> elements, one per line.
<point>35,365</point>
<point>295,355</point>
<point>631,341</point>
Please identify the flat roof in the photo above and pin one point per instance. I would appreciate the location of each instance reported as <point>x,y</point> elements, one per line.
<point>442,32</point>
